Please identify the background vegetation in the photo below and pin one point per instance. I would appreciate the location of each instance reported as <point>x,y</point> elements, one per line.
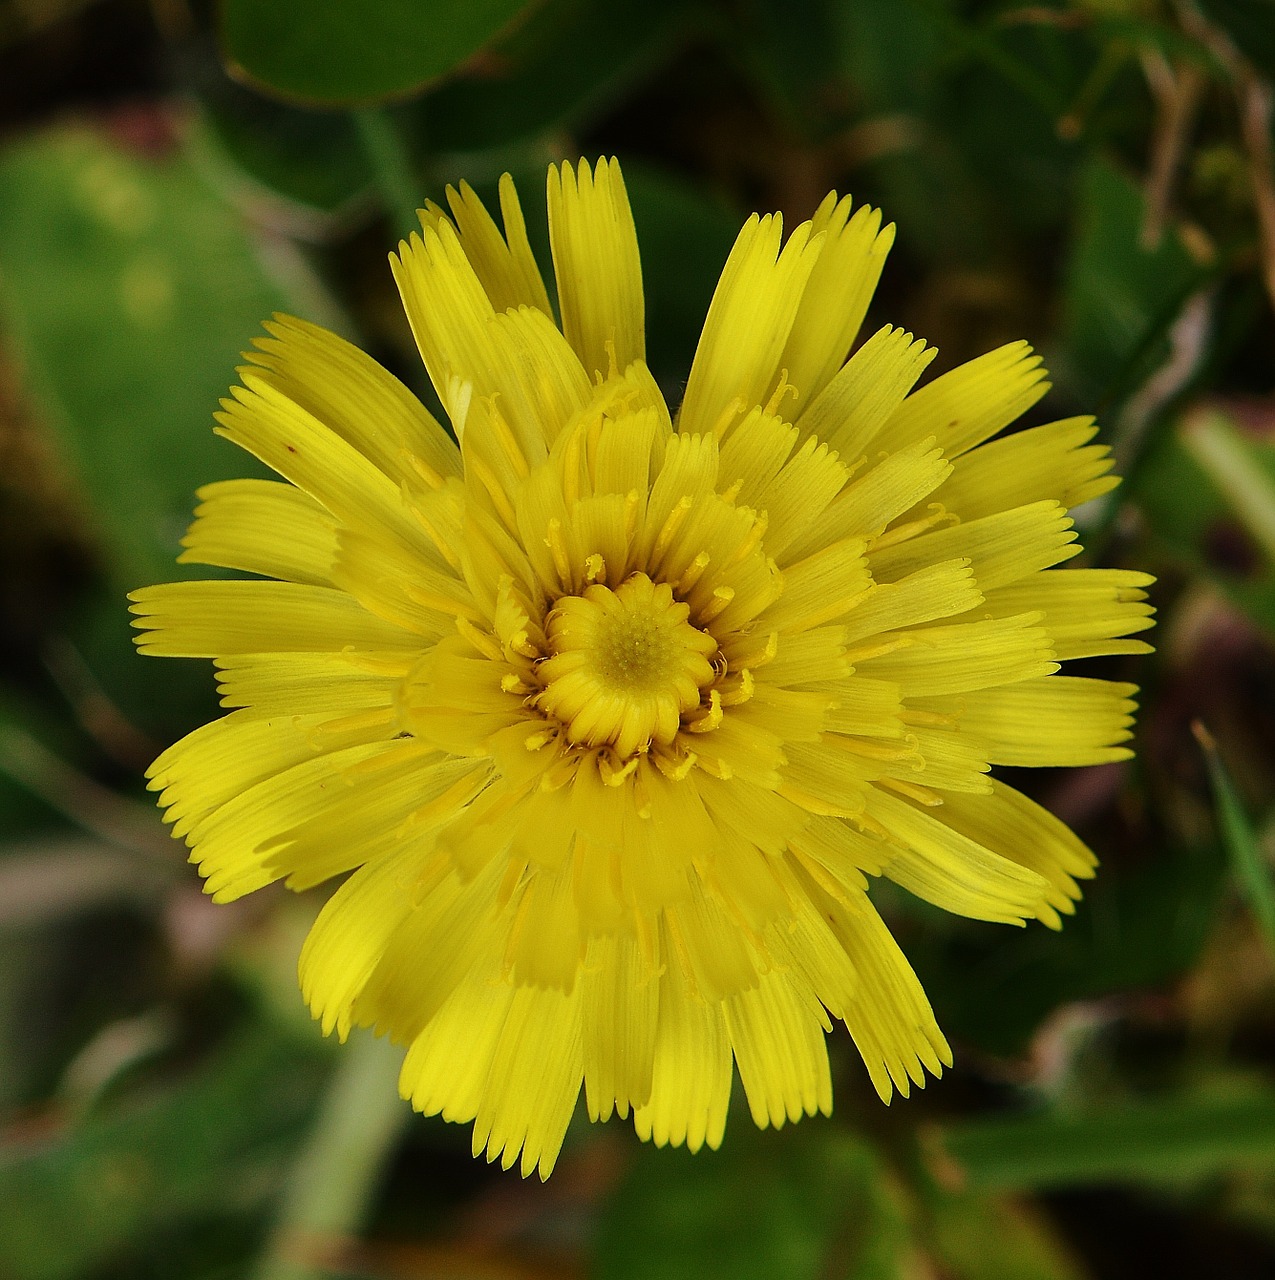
<point>1094,176</point>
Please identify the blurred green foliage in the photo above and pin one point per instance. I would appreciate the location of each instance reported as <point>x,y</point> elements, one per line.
<point>1094,175</point>
<point>333,52</point>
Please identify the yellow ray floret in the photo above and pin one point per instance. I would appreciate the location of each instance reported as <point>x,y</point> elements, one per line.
<point>609,714</point>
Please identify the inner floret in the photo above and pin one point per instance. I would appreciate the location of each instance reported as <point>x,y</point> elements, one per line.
<point>623,665</point>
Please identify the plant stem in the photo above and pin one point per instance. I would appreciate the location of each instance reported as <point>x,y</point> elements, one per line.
<point>391,163</point>
<point>336,1175</point>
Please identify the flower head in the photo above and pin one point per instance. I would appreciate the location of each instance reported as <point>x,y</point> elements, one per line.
<point>608,716</point>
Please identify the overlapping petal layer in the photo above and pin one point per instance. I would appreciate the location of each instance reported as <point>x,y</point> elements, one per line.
<point>612,717</point>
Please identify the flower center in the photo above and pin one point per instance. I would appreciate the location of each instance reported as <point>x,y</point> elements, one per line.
<point>624,665</point>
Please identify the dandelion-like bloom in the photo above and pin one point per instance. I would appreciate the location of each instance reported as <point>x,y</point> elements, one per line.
<point>606,715</point>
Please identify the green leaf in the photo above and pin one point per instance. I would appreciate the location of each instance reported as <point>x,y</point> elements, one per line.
<point>979,1237</point>
<point>342,52</point>
<point>1204,499</point>
<point>558,69</point>
<point>791,1204</point>
<point>1243,473</point>
<point>957,121</point>
<point>890,52</point>
<point>1168,1140</point>
<point>309,159</point>
<point>129,288</point>
<point>22,811</point>
<point>1251,868</point>
<point>213,1144</point>
<point>1120,295</point>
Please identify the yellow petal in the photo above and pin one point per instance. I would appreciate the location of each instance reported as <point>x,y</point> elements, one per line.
<point>351,933</point>
<point>865,706</point>
<point>1021,830</point>
<point>851,410</point>
<point>536,1072</point>
<point>203,770</point>
<point>1085,611</point>
<point>951,870</point>
<point>448,1064</point>
<point>544,947</point>
<point>357,398</point>
<point>1058,720</point>
<point>822,588</point>
<point>292,684</point>
<point>595,259</point>
<point>776,1032</point>
<point>404,589</point>
<point>449,924</point>
<point>216,619</point>
<point>231,844</point>
<point>620,1014</point>
<point>691,1072</point>
<point>264,527</point>
<point>972,402</point>
<point>301,448</point>
<point>896,483</point>
<point>751,315</point>
<point>377,815</point>
<point>821,779</point>
<point>449,312</point>
<point>938,591</point>
<point>1001,548</point>
<point>1051,462</point>
<point>797,496</point>
<point>965,656</point>
<point>836,297</point>
<point>504,264</point>
<point>708,946</point>
<point>803,657</point>
<point>890,1019</point>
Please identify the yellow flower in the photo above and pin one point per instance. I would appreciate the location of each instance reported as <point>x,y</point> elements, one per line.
<point>608,716</point>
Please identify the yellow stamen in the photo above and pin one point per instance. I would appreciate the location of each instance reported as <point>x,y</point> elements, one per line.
<point>722,596</point>
<point>668,531</point>
<point>694,571</point>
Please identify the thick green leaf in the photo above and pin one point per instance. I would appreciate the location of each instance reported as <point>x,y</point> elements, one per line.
<point>958,124</point>
<point>334,52</point>
<point>129,288</point>
<point>1251,868</point>
<point>1171,1139</point>
<point>310,159</point>
<point>794,1204</point>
